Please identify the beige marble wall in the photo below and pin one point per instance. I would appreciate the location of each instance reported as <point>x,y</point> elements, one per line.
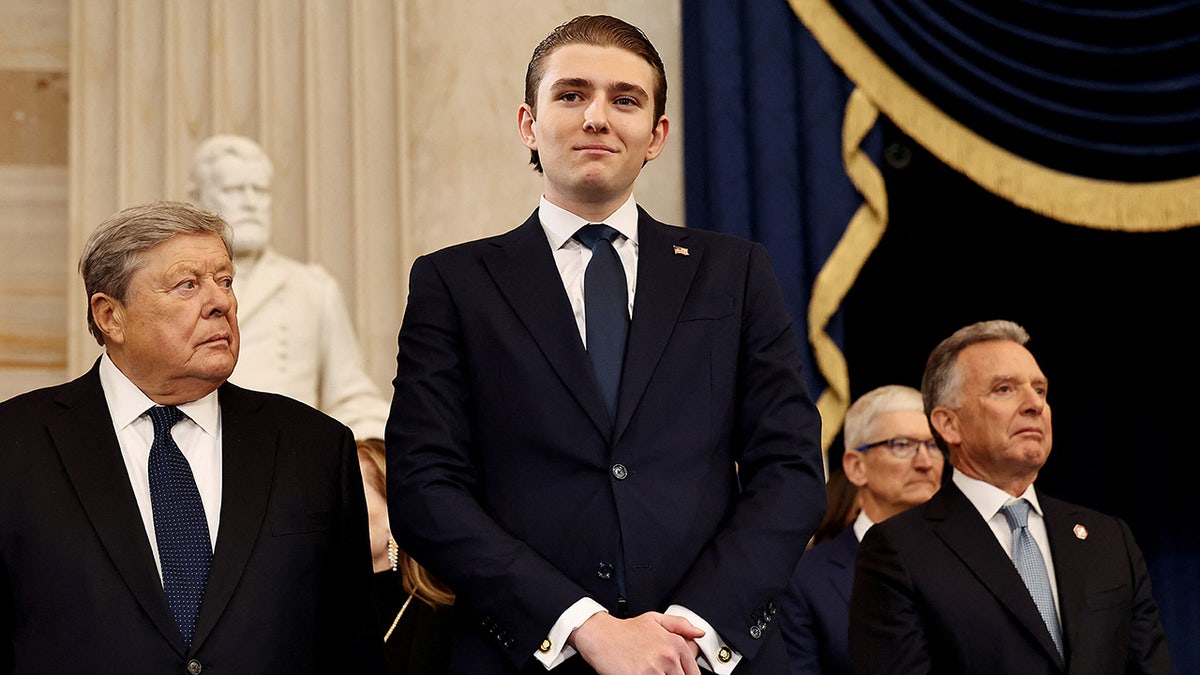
<point>34,274</point>
<point>392,124</point>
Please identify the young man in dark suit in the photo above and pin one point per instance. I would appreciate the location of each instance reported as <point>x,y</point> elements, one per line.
<point>156,519</point>
<point>603,493</point>
<point>991,575</point>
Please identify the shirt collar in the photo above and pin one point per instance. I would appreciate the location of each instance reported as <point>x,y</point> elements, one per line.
<point>988,498</point>
<point>126,402</point>
<point>560,224</point>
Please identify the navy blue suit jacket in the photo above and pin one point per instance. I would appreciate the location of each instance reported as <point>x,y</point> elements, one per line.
<point>934,592</point>
<point>289,590</point>
<point>816,609</point>
<point>508,480</point>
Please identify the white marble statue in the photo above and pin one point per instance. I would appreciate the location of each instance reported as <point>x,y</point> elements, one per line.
<point>297,336</point>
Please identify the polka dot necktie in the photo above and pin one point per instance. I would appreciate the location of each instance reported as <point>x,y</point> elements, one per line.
<point>180,526</point>
<point>605,309</point>
<point>1029,562</point>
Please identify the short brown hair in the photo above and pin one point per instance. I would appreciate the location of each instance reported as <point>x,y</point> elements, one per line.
<point>599,31</point>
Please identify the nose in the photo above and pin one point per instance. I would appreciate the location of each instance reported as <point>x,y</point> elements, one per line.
<point>1035,400</point>
<point>923,459</point>
<point>594,118</point>
<point>219,299</point>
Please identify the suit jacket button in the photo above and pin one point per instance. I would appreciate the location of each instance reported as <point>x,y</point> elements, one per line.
<point>194,667</point>
<point>620,472</point>
<point>605,570</point>
<point>755,632</point>
<point>509,642</point>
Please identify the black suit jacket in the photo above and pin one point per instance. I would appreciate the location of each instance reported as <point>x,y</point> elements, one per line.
<point>508,480</point>
<point>934,592</point>
<point>816,609</point>
<point>289,589</point>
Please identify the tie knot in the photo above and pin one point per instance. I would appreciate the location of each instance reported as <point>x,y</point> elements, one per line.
<point>589,235</point>
<point>1016,513</point>
<point>164,417</point>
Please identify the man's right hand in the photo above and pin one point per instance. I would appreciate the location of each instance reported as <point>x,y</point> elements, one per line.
<point>651,643</point>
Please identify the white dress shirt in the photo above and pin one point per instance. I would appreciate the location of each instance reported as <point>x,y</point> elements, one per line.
<point>572,259</point>
<point>198,435</point>
<point>987,499</point>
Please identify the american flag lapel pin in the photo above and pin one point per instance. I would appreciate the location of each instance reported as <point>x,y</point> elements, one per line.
<point>680,250</point>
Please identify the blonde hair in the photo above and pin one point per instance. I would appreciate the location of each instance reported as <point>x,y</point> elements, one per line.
<point>415,578</point>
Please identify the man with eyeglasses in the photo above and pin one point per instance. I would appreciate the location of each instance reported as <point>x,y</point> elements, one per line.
<point>992,576</point>
<point>895,463</point>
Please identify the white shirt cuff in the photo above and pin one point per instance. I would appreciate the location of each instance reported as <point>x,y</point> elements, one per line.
<point>554,649</point>
<point>715,655</point>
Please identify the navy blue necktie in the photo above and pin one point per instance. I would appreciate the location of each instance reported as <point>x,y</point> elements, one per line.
<point>180,526</point>
<point>605,309</point>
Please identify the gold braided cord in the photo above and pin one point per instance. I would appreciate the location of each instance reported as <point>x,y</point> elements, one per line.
<point>1099,204</point>
<point>840,271</point>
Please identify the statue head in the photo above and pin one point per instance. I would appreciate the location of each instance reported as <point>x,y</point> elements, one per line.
<point>231,176</point>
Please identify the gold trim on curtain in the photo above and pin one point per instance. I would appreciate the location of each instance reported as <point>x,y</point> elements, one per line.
<point>1087,202</point>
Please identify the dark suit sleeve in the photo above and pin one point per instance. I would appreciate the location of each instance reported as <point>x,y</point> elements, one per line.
<point>886,633</point>
<point>351,624</point>
<point>799,629</point>
<point>1147,637</point>
<point>739,578</point>
<point>432,489</point>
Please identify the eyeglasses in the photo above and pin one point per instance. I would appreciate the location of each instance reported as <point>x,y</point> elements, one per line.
<point>903,447</point>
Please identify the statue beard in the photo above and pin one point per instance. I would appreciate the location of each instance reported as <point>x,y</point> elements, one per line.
<point>250,237</point>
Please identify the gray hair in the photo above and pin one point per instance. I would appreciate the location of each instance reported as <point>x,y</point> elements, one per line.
<point>941,384</point>
<point>214,148</point>
<point>859,427</point>
<point>114,251</point>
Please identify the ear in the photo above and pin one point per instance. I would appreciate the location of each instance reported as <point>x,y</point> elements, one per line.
<point>658,140</point>
<point>525,126</point>
<point>109,316</point>
<point>945,422</point>
<point>855,468</point>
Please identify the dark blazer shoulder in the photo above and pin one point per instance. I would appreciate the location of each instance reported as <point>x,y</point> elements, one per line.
<point>277,409</point>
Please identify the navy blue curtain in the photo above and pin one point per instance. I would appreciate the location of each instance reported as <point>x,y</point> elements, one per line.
<point>1110,92</point>
<point>763,151</point>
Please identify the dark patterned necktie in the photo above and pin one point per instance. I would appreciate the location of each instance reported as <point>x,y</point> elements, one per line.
<point>605,309</point>
<point>180,526</point>
<point>1029,562</point>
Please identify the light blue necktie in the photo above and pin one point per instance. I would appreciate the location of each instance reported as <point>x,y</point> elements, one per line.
<point>180,526</point>
<point>1028,559</point>
<point>605,309</point>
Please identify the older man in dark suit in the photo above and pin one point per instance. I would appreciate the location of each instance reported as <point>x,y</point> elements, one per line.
<point>894,464</point>
<point>991,575</point>
<point>156,519</point>
<point>603,495</point>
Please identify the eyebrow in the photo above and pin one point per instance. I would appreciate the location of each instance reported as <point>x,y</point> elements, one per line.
<point>584,83</point>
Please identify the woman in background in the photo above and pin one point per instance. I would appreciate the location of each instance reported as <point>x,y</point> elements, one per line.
<point>416,610</point>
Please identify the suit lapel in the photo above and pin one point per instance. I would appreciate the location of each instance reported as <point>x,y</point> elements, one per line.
<point>522,266</point>
<point>842,562</point>
<point>664,277</point>
<point>248,447</point>
<point>970,538</point>
<point>91,456</point>
<point>1070,552</point>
